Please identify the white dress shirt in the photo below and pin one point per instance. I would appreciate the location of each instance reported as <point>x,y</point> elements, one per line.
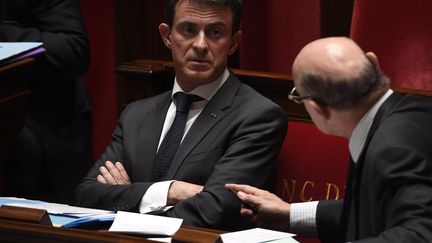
<point>303,215</point>
<point>155,198</point>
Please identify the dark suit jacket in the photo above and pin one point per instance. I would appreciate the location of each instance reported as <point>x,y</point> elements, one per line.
<point>53,151</point>
<point>391,182</point>
<point>235,139</point>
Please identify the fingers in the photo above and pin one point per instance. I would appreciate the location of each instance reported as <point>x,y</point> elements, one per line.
<point>113,174</point>
<point>123,172</point>
<point>245,188</point>
<point>246,212</point>
<point>101,179</point>
<point>249,199</point>
<point>104,172</point>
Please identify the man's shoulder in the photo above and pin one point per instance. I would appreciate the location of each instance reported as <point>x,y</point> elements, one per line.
<point>408,107</point>
<point>249,95</point>
<point>147,103</point>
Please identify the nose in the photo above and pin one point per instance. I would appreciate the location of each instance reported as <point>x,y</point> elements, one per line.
<point>200,43</point>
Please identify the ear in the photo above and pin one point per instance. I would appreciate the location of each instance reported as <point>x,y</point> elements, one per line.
<point>321,110</point>
<point>236,38</point>
<point>373,58</point>
<point>165,33</point>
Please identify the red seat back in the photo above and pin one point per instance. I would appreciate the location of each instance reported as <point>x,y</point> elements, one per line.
<point>400,33</point>
<point>311,164</point>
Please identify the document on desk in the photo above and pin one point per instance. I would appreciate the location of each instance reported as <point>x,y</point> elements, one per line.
<point>63,215</point>
<point>146,224</point>
<point>10,49</point>
<point>63,209</point>
<point>257,235</point>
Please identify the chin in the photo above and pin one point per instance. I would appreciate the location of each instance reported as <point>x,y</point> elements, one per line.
<point>200,75</point>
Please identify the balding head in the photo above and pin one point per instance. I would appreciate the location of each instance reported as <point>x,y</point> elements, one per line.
<point>335,57</point>
<point>336,71</point>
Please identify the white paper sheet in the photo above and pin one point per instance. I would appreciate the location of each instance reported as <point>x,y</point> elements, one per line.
<point>256,235</point>
<point>9,49</point>
<point>56,208</point>
<point>146,224</point>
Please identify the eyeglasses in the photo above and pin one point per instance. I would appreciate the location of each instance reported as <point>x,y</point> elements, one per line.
<point>297,98</point>
<point>300,99</point>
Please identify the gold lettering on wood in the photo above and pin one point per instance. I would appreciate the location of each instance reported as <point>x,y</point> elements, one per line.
<point>287,190</point>
<point>335,189</point>
<point>302,193</point>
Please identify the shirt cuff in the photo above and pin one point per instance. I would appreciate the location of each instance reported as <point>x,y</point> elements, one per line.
<point>155,198</point>
<point>303,218</point>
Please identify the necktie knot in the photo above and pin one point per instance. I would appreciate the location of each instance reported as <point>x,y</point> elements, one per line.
<point>183,101</point>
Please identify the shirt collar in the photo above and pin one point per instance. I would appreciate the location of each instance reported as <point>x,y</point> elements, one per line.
<point>206,91</point>
<point>360,132</point>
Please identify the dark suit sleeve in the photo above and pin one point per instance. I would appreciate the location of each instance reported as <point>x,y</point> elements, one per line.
<point>403,189</point>
<point>56,23</point>
<point>249,158</point>
<point>328,220</point>
<point>91,193</point>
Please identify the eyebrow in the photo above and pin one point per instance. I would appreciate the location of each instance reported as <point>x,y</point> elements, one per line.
<point>217,23</point>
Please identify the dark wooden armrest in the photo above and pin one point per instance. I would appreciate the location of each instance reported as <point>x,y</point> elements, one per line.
<point>28,215</point>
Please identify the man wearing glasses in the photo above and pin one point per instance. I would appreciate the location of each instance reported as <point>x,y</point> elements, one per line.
<point>389,188</point>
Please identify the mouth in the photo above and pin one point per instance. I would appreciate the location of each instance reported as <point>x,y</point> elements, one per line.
<point>199,61</point>
<point>199,64</point>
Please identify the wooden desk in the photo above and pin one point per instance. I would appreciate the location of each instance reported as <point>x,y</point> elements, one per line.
<point>12,231</point>
<point>13,93</point>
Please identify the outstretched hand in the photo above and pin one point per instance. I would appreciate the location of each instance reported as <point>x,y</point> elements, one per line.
<point>265,208</point>
<point>113,174</point>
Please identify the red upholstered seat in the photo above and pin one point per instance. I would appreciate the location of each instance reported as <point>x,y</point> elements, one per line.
<point>400,33</point>
<point>311,164</point>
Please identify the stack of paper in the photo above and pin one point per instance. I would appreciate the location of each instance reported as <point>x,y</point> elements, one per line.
<point>145,224</point>
<point>65,215</point>
<point>257,235</point>
<point>63,209</point>
<point>15,51</point>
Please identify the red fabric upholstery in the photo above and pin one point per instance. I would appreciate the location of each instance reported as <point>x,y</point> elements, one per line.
<point>275,31</point>
<point>311,164</point>
<point>400,33</point>
<point>100,78</point>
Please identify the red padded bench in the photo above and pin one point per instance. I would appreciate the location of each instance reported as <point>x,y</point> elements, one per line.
<point>311,165</point>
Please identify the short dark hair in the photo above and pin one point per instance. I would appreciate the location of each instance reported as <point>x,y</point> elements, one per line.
<point>346,93</point>
<point>234,5</point>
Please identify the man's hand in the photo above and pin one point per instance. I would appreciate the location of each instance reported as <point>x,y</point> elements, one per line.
<point>266,209</point>
<point>180,190</point>
<point>113,174</point>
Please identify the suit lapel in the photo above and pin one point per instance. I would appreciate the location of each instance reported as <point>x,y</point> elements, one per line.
<point>149,138</point>
<point>347,213</point>
<point>350,214</point>
<point>213,112</point>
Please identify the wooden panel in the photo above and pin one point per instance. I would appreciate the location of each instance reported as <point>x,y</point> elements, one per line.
<point>144,78</point>
<point>29,215</point>
<point>13,231</point>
